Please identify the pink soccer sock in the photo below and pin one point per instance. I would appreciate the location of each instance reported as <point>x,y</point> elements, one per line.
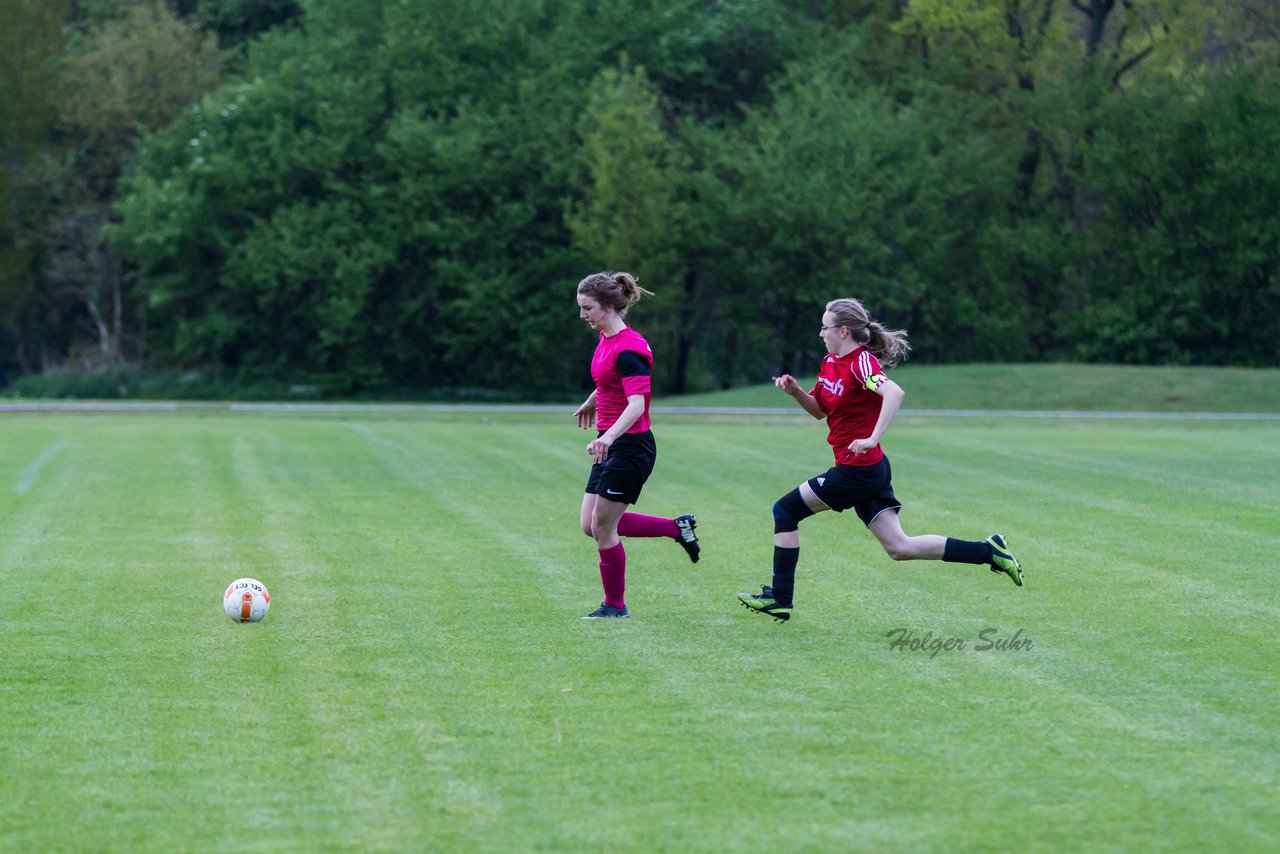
<point>638,525</point>
<point>613,575</point>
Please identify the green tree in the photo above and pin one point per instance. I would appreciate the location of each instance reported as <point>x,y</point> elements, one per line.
<point>130,75</point>
<point>447,133</point>
<point>1057,72</point>
<point>242,176</point>
<point>30,43</point>
<point>1247,31</point>
<point>1187,243</point>
<point>840,189</point>
<point>238,21</point>
<point>632,212</point>
<point>403,192</point>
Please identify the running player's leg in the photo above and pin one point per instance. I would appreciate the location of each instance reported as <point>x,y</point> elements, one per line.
<point>887,528</point>
<point>604,521</point>
<point>588,514</point>
<point>633,460</point>
<point>613,557</point>
<point>788,512</point>
<point>992,552</point>
<point>680,529</point>
<point>639,525</point>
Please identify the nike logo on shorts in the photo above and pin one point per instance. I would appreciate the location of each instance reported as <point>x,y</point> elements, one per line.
<point>612,492</point>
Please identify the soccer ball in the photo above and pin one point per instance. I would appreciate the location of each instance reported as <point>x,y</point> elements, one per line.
<point>246,600</point>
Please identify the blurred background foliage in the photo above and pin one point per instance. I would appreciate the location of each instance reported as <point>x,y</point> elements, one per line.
<point>397,197</point>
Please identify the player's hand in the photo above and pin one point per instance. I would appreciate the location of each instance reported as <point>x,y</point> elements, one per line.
<point>787,383</point>
<point>586,415</point>
<point>861,446</point>
<point>599,449</point>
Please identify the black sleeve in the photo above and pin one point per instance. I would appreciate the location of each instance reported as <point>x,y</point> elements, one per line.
<point>632,364</point>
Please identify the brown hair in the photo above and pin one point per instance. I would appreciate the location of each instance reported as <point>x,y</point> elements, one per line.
<point>889,345</point>
<point>615,290</point>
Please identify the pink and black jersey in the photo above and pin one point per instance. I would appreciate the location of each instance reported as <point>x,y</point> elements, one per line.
<point>846,393</point>
<point>622,366</point>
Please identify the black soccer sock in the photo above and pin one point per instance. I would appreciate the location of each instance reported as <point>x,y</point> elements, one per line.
<point>966,551</point>
<point>784,574</point>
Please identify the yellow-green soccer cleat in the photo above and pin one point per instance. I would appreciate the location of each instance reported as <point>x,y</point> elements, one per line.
<point>765,603</point>
<point>1002,560</point>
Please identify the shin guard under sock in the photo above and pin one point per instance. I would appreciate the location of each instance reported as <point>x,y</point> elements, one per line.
<point>613,575</point>
<point>639,525</point>
<point>784,574</point>
<point>966,551</point>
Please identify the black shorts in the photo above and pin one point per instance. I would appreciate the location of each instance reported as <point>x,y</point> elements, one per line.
<point>622,474</point>
<point>867,489</point>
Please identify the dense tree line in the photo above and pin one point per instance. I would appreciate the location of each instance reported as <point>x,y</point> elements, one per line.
<point>400,194</point>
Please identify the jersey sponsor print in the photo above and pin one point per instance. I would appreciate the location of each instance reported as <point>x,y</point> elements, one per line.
<point>846,393</point>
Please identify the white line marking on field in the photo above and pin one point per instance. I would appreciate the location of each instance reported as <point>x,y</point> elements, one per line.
<point>32,469</point>
<point>368,433</point>
<point>89,407</point>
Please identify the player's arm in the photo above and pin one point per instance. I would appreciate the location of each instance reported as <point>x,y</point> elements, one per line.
<point>599,448</point>
<point>892,395</point>
<point>635,370</point>
<point>808,402</point>
<point>629,416</point>
<point>586,413</point>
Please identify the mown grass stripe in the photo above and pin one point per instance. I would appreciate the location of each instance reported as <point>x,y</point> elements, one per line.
<point>423,681</point>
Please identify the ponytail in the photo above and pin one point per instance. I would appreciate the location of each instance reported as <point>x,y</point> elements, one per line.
<point>889,345</point>
<point>615,290</point>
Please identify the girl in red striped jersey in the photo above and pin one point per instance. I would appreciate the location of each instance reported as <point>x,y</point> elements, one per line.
<point>858,403</point>
<point>624,450</point>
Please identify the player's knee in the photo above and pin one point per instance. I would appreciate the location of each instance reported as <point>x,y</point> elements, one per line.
<point>587,528</point>
<point>898,551</point>
<point>789,511</point>
<point>782,519</point>
<point>602,528</point>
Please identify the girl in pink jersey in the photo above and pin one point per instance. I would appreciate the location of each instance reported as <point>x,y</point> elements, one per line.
<point>858,402</point>
<point>624,450</point>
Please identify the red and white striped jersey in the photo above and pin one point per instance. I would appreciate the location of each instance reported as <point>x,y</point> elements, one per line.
<point>846,393</point>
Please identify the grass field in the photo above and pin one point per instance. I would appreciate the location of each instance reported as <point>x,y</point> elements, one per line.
<point>1123,388</point>
<point>423,681</point>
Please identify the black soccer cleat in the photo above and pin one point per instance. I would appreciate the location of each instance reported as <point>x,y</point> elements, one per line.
<point>688,539</point>
<point>605,612</point>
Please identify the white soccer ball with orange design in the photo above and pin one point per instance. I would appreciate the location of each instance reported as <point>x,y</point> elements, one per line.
<point>246,600</point>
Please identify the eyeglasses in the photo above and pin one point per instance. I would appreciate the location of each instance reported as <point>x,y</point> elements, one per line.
<point>822,329</point>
